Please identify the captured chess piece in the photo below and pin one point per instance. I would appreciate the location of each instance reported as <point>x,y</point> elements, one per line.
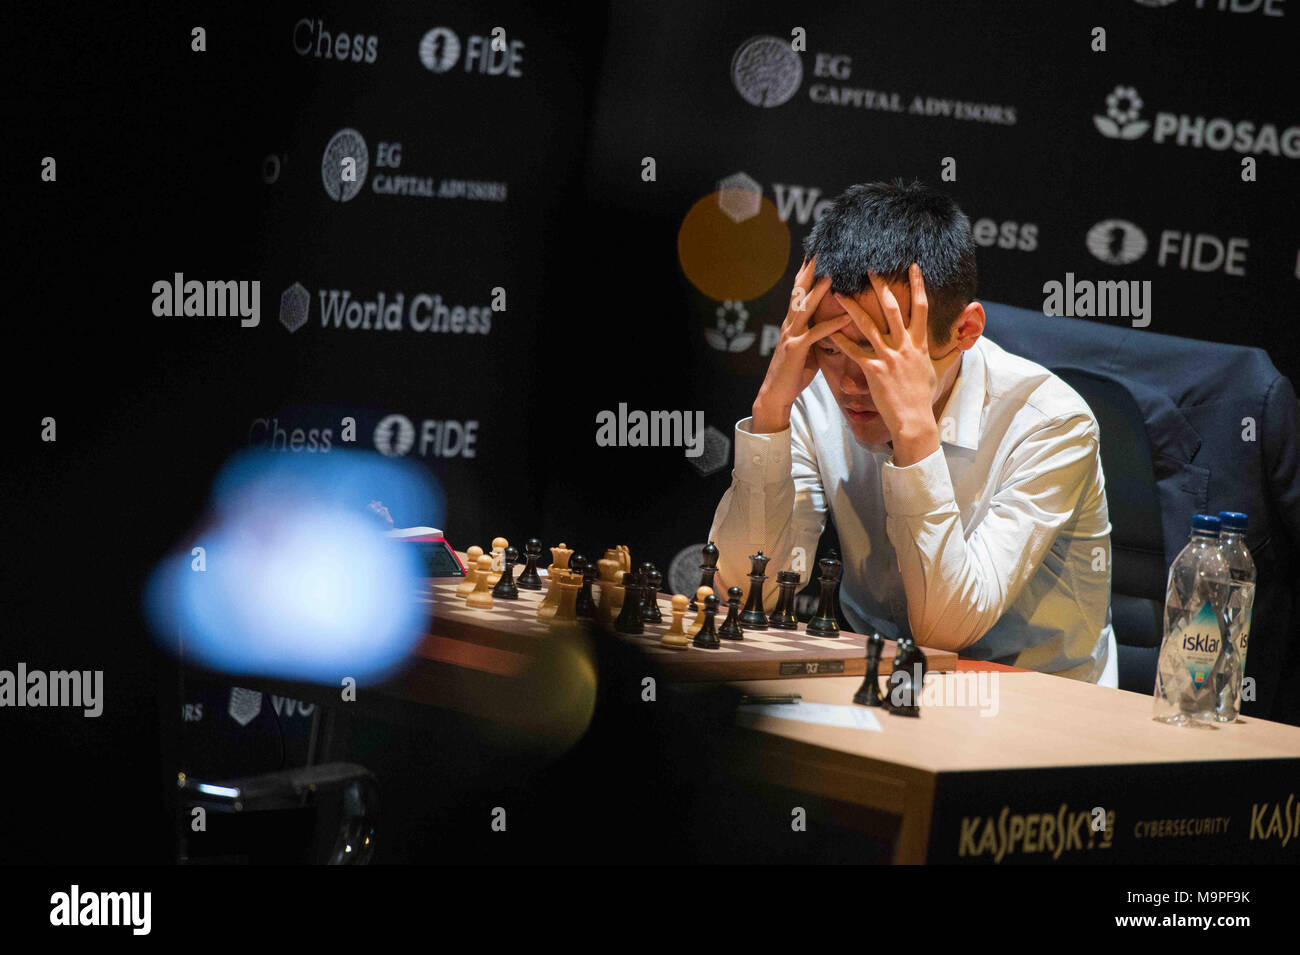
<point>708,567</point>
<point>908,679</point>
<point>505,588</point>
<point>869,693</point>
<point>466,586</point>
<point>823,624</point>
<point>629,616</point>
<point>783,617</point>
<point>700,594</point>
<point>730,629</point>
<point>754,616</point>
<point>675,636</point>
<point>707,638</point>
<point>481,597</point>
<point>650,581</point>
<point>530,579</point>
<point>499,545</point>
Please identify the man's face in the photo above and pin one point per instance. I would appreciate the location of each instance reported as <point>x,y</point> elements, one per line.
<point>845,377</point>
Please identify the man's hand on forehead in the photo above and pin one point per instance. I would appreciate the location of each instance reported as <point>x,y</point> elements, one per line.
<point>831,309</point>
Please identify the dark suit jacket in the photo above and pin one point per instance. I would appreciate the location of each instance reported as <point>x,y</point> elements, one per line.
<point>1221,421</point>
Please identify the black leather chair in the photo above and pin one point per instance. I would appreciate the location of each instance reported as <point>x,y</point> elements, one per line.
<point>1137,556</point>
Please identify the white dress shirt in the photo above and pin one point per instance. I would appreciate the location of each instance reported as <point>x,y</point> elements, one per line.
<point>997,545</point>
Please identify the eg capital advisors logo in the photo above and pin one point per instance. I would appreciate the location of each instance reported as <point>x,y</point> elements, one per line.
<point>345,165</point>
<point>766,71</point>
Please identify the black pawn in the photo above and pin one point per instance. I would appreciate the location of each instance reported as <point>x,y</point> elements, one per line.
<point>629,617</point>
<point>650,611</point>
<point>584,604</point>
<point>505,587</point>
<point>708,567</point>
<point>783,617</point>
<point>754,616</point>
<point>869,693</point>
<point>707,638</point>
<point>731,626</point>
<point>823,624</point>
<point>908,679</point>
<point>529,579</point>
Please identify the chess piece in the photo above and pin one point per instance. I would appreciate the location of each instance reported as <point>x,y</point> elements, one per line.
<point>624,559</point>
<point>708,567</point>
<point>834,554</point>
<point>650,581</point>
<point>559,559</point>
<point>585,605</point>
<point>505,588</point>
<point>731,626</point>
<point>783,617</point>
<point>753,616</point>
<point>629,616</point>
<point>707,638</point>
<point>675,637</point>
<point>823,624</point>
<point>499,545</point>
<point>471,569</point>
<point>551,601</point>
<point>908,678</point>
<point>568,585</point>
<point>481,598</point>
<point>530,579</point>
<point>869,693</point>
<point>698,622</point>
<point>611,592</point>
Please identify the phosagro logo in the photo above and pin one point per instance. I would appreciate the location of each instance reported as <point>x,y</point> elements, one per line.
<point>395,436</point>
<point>494,56</point>
<point>344,166</point>
<point>1116,242</point>
<point>1123,121</point>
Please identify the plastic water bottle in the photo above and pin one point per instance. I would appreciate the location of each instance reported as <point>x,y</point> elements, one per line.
<point>1194,654</point>
<point>1241,596</point>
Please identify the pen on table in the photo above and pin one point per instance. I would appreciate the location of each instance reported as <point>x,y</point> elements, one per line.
<point>792,698</point>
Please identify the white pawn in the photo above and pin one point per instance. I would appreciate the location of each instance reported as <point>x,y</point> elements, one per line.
<point>499,545</point>
<point>471,572</point>
<point>675,637</point>
<point>700,596</point>
<point>481,598</point>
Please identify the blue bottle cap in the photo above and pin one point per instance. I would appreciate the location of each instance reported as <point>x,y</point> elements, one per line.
<point>1205,524</point>
<point>1234,521</point>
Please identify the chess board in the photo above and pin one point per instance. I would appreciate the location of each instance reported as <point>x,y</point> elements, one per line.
<point>513,625</point>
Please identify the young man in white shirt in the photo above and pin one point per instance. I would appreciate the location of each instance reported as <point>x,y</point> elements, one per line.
<point>965,482</point>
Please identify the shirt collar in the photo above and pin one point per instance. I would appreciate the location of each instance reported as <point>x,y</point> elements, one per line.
<point>965,405</point>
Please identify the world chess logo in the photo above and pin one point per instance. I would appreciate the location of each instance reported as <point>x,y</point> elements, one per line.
<point>345,144</point>
<point>1116,242</point>
<point>394,436</point>
<point>295,306</point>
<point>439,50</point>
<point>728,334</point>
<point>244,705</point>
<point>1122,121</point>
<point>766,71</point>
<point>717,453</point>
<point>740,197</point>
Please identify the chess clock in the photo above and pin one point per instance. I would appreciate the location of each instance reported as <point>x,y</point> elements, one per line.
<point>436,555</point>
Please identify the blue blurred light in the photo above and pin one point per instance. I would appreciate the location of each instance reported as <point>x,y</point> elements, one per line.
<point>300,582</point>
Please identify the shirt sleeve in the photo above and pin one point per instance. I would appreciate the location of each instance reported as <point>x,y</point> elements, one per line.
<point>958,586</point>
<point>775,504</point>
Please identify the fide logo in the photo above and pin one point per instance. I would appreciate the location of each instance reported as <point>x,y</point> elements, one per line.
<point>1121,121</point>
<point>1116,242</point>
<point>439,50</point>
<point>729,335</point>
<point>394,436</point>
<point>345,144</point>
<point>766,71</point>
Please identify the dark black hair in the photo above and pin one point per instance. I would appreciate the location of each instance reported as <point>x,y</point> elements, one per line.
<point>883,227</point>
